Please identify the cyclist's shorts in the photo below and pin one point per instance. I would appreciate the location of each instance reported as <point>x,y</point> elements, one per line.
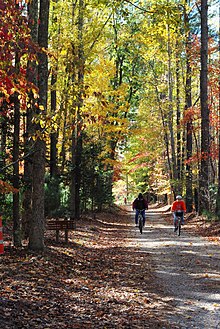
<point>179,213</point>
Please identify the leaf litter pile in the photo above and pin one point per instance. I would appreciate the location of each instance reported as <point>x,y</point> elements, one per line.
<point>100,279</point>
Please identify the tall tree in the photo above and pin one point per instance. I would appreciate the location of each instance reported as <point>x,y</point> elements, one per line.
<point>218,194</point>
<point>77,138</point>
<point>36,237</point>
<point>16,180</point>
<point>170,107</point>
<point>54,69</point>
<point>205,140</point>
<point>28,141</point>
<point>178,118</point>
<point>188,105</point>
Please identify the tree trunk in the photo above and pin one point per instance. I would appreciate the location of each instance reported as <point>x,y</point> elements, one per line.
<point>170,113</point>
<point>73,179</point>
<point>36,238</point>
<point>188,101</point>
<point>27,179</point>
<point>218,194</point>
<point>28,147</point>
<point>77,133</point>
<point>160,98</point>
<point>16,208</point>
<point>178,117</point>
<point>3,129</point>
<point>53,136</point>
<point>3,139</point>
<point>63,134</point>
<point>189,192</point>
<point>205,141</point>
<point>16,181</point>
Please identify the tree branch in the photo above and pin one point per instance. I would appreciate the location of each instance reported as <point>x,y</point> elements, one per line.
<point>96,39</point>
<point>144,10</point>
<point>20,159</point>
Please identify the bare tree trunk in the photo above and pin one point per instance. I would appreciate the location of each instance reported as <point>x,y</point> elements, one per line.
<point>77,133</point>
<point>188,102</point>
<point>3,140</point>
<point>218,194</point>
<point>189,192</point>
<point>53,136</point>
<point>28,147</point>
<point>36,238</point>
<point>3,130</point>
<point>63,133</point>
<point>205,141</point>
<point>170,113</point>
<point>160,98</point>
<point>81,66</point>
<point>178,117</point>
<point>16,198</point>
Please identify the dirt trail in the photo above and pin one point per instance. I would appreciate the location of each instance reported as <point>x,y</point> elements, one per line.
<point>110,276</point>
<point>187,268</point>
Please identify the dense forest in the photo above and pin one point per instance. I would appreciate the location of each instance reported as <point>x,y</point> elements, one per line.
<point>100,100</point>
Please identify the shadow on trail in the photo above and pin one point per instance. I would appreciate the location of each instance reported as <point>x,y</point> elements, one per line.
<point>187,267</point>
<point>111,276</point>
<point>98,280</point>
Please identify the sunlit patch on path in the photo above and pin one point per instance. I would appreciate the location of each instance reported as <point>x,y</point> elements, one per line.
<point>187,267</point>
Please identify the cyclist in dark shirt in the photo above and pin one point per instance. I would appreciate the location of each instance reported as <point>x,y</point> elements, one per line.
<point>140,204</point>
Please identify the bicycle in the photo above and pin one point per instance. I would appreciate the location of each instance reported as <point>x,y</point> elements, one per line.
<point>140,220</point>
<point>179,215</point>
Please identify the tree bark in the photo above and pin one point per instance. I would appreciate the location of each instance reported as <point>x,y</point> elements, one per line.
<point>28,144</point>
<point>189,127</point>
<point>189,191</point>
<point>53,135</point>
<point>178,117</point>
<point>205,140</point>
<point>16,180</point>
<point>77,133</point>
<point>3,141</point>
<point>36,238</point>
<point>218,194</point>
<point>170,112</point>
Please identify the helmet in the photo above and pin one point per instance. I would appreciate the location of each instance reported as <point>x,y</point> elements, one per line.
<point>178,197</point>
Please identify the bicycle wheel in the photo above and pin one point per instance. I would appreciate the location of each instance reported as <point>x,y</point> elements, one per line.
<point>179,227</point>
<point>140,223</point>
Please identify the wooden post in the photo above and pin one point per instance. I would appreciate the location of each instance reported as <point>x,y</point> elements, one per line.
<point>57,233</point>
<point>1,237</point>
<point>66,232</point>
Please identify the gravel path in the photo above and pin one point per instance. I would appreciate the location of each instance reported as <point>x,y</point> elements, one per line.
<point>188,270</point>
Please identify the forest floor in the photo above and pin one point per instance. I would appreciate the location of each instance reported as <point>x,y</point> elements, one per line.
<point>111,276</point>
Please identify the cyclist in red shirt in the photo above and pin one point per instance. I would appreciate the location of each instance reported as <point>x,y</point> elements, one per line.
<point>178,207</point>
